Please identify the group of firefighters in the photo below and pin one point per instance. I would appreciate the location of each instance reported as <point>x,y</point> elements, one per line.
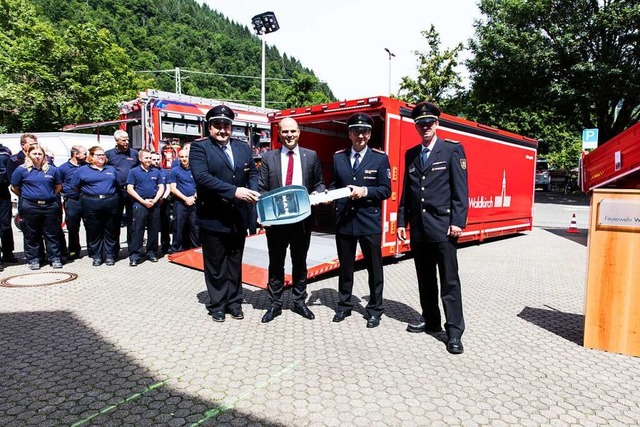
<point>104,190</point>
<point>214,185</point>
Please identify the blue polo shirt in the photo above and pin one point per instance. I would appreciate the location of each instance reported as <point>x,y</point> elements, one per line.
<point>164,174</point>
<point>67,171</point>
<point>123,162</point>
<point>145,182</point>
<point>36,184</point>
<point>91,181</point>
<point>183,179</point>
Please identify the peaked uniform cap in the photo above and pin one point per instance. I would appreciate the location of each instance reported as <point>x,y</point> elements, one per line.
<point>220,112</point>
<point>425,112</point>
<point>360,120</point>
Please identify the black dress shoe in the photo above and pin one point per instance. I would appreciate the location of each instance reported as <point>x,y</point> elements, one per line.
<point>454,346</point>
<point>237,313</point>
<point>133,263</point>
<point>271,314</point>
<point>373,321</point>
<point>304,311</point>
<point>110,262</point>
<point>10,259</point>
<point>218,316</point>
<point>96,263</point>
<point>422,327</point>
<point>341,315</point>
<point>152,258</point>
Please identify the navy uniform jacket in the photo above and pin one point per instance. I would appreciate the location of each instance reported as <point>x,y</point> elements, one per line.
<point>216,208</point>
<point>436,196</point>
<point>361,217</point>
<point>271,170</point>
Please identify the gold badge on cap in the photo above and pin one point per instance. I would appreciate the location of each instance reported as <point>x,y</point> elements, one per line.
<point>463,163</point>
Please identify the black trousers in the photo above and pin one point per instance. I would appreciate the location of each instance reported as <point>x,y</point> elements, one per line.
<point>222,256</point>
<point>279,238</point>
<point>72,212</point>
<point>185,229</point>
<point>144,218</point>
<point>6,216</point>
<point>372,254</point>
<point>165,224</point>
<point>40,221</point>
<point>125,208</point>
<point>443,255</point>
<point>102,225</point>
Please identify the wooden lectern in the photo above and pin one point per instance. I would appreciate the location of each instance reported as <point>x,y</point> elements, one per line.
<point>612,306</point>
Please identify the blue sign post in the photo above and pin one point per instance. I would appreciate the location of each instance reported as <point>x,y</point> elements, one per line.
<point>589,139</point>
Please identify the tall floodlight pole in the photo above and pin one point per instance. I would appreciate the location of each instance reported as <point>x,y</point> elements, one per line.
<point>264,23</point>
<point>390,55</point>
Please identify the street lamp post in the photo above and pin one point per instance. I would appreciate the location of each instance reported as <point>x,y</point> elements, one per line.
<point>390,55</point>
<point>264,23</point>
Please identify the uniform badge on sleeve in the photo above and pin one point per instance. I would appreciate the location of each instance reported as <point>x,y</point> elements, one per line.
<point>463,163</point>
<point>388,173</point>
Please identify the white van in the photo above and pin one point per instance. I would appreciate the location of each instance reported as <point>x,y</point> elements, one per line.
<point>59,143</point>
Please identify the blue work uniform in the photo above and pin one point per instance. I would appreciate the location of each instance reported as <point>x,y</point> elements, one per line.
<point>99,194</point>
<point>145,183</point>
<point>123,162</point>
<point>360,221</point>
<point>185,229</point>
<point>72,209</point>
<point>39,211</point>
<point>5,206</point>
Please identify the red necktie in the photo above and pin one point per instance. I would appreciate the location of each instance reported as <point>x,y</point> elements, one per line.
<point>289,178</point>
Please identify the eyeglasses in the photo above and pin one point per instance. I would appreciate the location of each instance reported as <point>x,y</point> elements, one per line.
<point>100,155</point>
<point>184,157</point>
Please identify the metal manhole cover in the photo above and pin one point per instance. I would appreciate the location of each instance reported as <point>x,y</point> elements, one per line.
<point>33,280</point>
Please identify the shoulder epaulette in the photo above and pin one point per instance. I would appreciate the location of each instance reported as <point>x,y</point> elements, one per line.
<point>377,150</point>
<point>451,141</point>
<point>340,151</point>
<point>201,139</point>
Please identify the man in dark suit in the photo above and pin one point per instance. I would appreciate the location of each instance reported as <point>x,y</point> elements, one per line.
<point>359,218</point>
<point>290,165</point>
<point>434,206</point>
<point>226,181</point>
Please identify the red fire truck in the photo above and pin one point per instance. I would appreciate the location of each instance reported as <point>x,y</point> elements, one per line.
<point>163,121</point>
<point>501,168</point>
<point>615,164</point>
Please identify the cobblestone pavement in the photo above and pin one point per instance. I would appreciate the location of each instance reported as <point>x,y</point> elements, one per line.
<point>134,346</point>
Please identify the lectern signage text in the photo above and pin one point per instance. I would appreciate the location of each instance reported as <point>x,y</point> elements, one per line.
<point>619,213</point>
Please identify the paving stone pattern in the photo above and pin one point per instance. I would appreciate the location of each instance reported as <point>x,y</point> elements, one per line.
<point>125,346</point>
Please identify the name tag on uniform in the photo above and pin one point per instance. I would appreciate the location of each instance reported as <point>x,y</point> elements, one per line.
<point>412,170</point>
<point>371,174</point>
<point>246,168</point>
<point>441,168</point>
<point>438,163</point>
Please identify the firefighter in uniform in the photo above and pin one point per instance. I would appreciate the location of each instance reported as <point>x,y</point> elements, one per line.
<point>71,199</point>
<point>123,158</point>
<point>165,205</point>
<point>359,218</point>
<point>145,186</point>
<point>434,207</point>
<point>226,182</point>
<point>183,188</point>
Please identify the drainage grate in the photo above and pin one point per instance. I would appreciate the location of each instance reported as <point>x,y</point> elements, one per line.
<point>34,280</point>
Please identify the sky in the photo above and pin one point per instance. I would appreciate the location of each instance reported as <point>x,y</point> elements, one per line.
<point>343,41</point>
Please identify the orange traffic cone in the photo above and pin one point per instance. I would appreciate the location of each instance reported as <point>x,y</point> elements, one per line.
<point>573,227</point>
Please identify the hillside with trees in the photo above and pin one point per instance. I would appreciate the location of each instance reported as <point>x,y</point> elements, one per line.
<point>73,61</point>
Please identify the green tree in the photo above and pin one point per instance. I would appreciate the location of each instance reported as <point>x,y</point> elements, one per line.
<point>438,79</point>
<point>304,91</point>
<point>551,64</point>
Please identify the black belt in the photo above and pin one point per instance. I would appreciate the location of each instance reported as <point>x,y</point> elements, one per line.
<point>41,202</point>
<point>98,196</point>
